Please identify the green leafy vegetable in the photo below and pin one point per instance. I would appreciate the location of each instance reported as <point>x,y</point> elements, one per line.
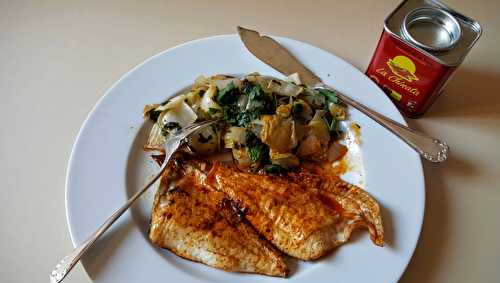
<point>333,125</point>
<point>297,110</point>
<point>212,111</point>
<point>170,127</point>
<point>257,150</point>
<point>243,119</point>
<point>228,95</point>
<point>259,103</point>
<point>251,139</point>
<point>331,122</point>
<point>330,95</point>
<point>233,115</point>
<point>203,139</point>
<point>230,115</point>
<point>273,169</point>
<point>314,98</point>
<point>153,115</point>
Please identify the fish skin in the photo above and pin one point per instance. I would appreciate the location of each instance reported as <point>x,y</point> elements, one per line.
<point>200,224</point>
<point>290,216</point>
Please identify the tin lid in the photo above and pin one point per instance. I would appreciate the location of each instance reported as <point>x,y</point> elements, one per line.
<point>434,29</point>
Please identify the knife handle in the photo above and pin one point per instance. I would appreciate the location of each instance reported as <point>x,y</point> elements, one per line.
<point>430,148</point>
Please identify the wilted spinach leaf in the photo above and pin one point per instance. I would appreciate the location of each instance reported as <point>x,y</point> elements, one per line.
<point>273,169</point>
<point>259,103</point>
<point>170,127</point>
<point>297,110</point>
<point>228,95</point>
<point>257,150</point>
<point>153,115</point>
<point>330,95</point>
<point>212,111</point>
<point>203,139</point>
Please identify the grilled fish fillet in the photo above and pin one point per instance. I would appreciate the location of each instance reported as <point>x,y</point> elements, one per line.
<point>202,225</point>
<point>288,215</point>
<point>303,214</point>
<point>357,208</point>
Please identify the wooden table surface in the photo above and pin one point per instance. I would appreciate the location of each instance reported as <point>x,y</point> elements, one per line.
<point>57,58</point>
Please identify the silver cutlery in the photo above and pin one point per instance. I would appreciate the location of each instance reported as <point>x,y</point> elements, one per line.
<point>273,54</point>
<point>173,142</point>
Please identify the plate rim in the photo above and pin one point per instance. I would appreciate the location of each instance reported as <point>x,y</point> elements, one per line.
<point>71,160</point>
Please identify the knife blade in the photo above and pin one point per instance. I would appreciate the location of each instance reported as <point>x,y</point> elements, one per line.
<point>273,54</point>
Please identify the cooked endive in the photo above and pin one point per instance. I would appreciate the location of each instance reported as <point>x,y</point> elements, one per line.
<point>268,124</point>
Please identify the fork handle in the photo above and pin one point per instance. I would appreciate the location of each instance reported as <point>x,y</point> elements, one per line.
<point>69,261</point>
<point>432,149</point>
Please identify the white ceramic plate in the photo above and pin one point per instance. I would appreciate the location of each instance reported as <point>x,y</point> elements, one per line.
<point>107,164</point>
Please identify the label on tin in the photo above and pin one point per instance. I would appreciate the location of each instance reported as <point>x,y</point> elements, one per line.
<point>410,78</point>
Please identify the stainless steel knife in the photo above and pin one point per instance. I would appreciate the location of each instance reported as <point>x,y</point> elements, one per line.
<point>273,54</point>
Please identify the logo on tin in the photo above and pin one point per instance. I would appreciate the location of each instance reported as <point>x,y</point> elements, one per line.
<point>403,67</point>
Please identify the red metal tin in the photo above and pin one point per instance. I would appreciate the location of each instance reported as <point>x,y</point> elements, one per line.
<point>422,44</point>
<point>410,78</point>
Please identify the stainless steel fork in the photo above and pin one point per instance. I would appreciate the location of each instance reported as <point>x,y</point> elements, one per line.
<point>173,142</point>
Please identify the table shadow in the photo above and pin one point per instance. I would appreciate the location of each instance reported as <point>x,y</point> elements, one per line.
<point>471,95</point>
